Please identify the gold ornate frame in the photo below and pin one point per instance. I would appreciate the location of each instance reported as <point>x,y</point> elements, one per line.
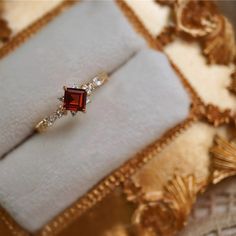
<point>198,111</point>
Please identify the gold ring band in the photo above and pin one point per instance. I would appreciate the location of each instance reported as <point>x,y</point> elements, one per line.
<point>74,100</point>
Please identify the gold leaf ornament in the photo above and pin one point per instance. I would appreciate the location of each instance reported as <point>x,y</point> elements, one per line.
<point>223,159</point>
<point>219,46</point>
<point>201,20</point>
<point>195,18</point>
<point>163,213</point>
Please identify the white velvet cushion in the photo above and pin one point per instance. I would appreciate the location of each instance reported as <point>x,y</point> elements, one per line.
<point>142,100</point>
<point>88,38</point>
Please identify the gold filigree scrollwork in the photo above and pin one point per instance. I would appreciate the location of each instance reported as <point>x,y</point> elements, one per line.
<point>162,213</point>
<point>201,20</point>
<point>223,159</point>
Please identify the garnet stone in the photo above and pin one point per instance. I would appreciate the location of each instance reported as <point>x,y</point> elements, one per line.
<point>75,99</point>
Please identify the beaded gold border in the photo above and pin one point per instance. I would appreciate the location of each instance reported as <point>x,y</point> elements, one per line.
<point>11,225</point>
<point>118,176</point>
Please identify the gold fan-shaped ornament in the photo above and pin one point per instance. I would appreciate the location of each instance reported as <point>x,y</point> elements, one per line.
<point>223,159</point>
<point>162,213</point>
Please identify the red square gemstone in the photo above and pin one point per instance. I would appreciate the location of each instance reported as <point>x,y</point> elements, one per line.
<point>75,99</point>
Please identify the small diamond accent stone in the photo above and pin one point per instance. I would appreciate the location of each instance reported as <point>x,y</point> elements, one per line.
<point>97,81</point>
<point>61,99</point>
<point>59,114</point>
<point>88,87</point>
<point>52,118</point>
<point>88,100</point>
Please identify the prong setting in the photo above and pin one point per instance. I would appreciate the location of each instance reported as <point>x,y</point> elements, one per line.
<point>73,113</point>
<point>61,99</point>
<point>74,100</point>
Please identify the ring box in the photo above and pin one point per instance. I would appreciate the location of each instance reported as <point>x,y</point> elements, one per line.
<point>142,108</point>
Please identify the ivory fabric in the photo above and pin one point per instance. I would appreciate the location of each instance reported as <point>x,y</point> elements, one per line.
<point>20,14</point>
<point>215,78</point>
<point>89,38</point>
<point>142,100</point>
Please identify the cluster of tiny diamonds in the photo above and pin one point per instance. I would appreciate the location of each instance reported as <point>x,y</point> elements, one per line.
<point>49,120</point>
<point>94,83</point>
<point>88,87</point>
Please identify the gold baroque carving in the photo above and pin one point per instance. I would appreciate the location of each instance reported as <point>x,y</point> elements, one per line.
<point>201,20</point>
<point>223,159</point>
<point>213,115</point>
<point>162,213</point>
